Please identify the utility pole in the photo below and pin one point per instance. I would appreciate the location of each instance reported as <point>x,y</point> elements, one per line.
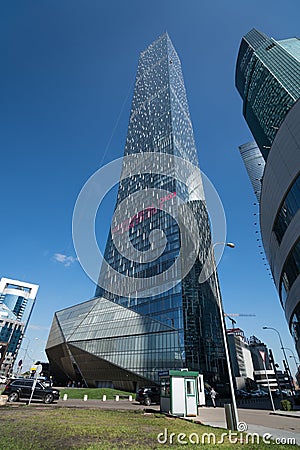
<point>272,361</point>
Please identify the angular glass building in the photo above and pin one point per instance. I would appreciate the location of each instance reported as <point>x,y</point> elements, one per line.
<point>267,78</point>
<point>150,312</point>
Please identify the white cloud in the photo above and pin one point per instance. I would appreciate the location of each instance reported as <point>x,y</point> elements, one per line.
<point>64,259</point>
<point>37,327</point>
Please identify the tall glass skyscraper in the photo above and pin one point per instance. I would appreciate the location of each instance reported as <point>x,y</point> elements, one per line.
<point>150,312</point>
<point>17,299</point>
<point>267,78</point>
<point>255,165</point>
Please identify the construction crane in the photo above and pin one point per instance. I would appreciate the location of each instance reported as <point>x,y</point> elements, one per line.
<point>229,316</point>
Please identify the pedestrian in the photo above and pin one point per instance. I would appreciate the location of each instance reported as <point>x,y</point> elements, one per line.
<point>213,395</point>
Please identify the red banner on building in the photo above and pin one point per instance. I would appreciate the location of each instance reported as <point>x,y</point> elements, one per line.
<point>263,355</point>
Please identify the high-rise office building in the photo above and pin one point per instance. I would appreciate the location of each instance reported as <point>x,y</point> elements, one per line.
<point>264,373</point>
<point>255,165</point>
<point>268,79</point>
<point>240,355</point>
<point>150,312</point>
<point>280,217</point>
<point>17,299</point>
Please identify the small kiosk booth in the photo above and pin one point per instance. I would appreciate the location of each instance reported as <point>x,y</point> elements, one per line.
<point>179,392</point>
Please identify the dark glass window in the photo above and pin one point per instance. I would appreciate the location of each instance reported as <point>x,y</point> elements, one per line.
<point>290,272</point>
<point>190,385</point>
<point>288,210</point>
<point>295,324</point>
<point>165,387</point>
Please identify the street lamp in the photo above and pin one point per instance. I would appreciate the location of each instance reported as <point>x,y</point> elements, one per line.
<point>284,354</point>
<point>293,356</point>
<point>26,349</point>
<point>223,326</point>
<point>295,361</point>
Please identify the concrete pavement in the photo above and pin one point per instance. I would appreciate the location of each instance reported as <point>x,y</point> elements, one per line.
<point>279,425</point>
<point>287,413</point>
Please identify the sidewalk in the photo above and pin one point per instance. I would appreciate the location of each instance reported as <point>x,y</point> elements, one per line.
<point>281,424</point>
<point>286,413</point>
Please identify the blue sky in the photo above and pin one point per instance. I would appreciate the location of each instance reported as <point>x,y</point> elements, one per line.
<point>66,84</point>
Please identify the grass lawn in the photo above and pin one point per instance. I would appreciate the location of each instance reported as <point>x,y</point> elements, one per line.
<point>92,393</point>
<point>39,427</point>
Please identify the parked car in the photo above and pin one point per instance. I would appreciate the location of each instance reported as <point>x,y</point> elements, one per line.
<point>259,393</point>
<point>275,393</point>
<point>240,393</point>
<point>148,395</point>
<point>21,388</point>
<point>46,381</point>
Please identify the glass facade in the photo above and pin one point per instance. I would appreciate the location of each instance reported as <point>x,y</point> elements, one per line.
<point>113,334</point>
<point>255,165</point>
<point>288,210</point>
<point>179,325</point>
<point>16,303</point>
<point>268,80</point>
<point>295,324</point>
<point>291,270</point>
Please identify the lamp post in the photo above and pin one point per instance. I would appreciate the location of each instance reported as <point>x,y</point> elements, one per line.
<point>295,361</point>
<point>285,358</point>
<point>297,364</point>
<point>293,356</point>
<point>223,327</point>
<point>26,349</point>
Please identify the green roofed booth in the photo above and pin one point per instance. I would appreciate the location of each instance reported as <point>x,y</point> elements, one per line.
<point>179,392</point>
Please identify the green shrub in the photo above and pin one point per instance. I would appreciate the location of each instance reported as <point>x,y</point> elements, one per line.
<point>286,405</point>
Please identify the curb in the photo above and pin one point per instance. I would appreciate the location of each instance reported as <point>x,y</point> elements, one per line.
<point>295,416</point>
